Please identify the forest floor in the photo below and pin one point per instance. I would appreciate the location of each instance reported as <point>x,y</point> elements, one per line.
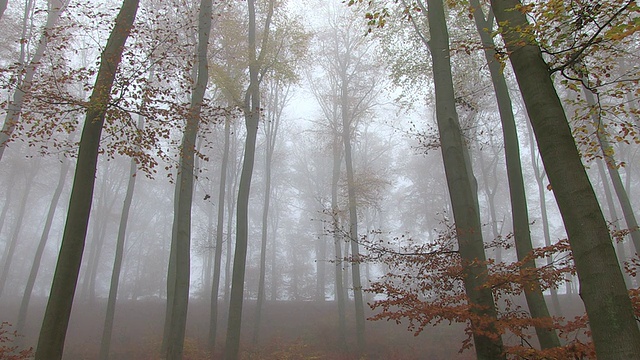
<point>290,330</point>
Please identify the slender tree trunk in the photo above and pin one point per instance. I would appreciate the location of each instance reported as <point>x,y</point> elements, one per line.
<point>215,287</point>
<point>337,241</point>
<point>520,216</point>
<point>56,317</point>
<point>539,175</point>
<point>8,195</point>
<point>252,113</point>
<point>271,132</point>
<point>56,7</point>
<point>10,248</point>
<point>182,218</point>
<point>35,267</point>
<point>490,194</point>
<point>321,268</point>
<point>462,187</point>
<point>613,326</point>
<point>614,174</point>
<point>613,216</point>
<point>105,344</point>
<point>353,219</point>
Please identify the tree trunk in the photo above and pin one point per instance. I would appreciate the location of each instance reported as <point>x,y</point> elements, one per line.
<point>35,267</point>
<point>353,218</point>
<point>337,241</point>
<point>321,268</point>
<point>520,216</point>
<point>614,174</point>
<point>56,7</point>
<point>462,187</point>
<point>10,248</point>
<point>271,132</point>
<point>613,216</point>
<point>614,330</point>
<point>539,175</point>
<point>215,287</point>
<point>182,218</point>
<point>105,344</point>
<point>56,317</point>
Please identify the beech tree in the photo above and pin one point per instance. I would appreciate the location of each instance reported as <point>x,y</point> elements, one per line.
<point>614,330</point>
<point>252,113</point>
<point>56,318</point>
<point>178,277</point>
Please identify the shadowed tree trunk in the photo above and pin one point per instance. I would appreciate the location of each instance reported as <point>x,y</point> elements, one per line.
<point>614,329</point>
<point>56,317</point>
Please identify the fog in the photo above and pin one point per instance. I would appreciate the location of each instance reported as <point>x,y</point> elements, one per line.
<point>347,129</point>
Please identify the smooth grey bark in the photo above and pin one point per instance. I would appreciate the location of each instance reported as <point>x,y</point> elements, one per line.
<point>462,187</point>
<point>252,112</point>
<point>56,317</point>
<point>517,194</point>
<point>184,192</point>
<point>271,125</point>
<point>8,197</point>
<point>353,216</point>
<point>490,194</point>
<point>613,216</point>
<point>337,241</point>
<point>217,266</point>
<point>35,267</point>
<point>613,326</point>
<point>542,198</point>
<point>105,344</point>
<point>612,168</point>
<point>231,207</point>
<point>14,108</point>
<point>12,243</point>
<point>321,268</point>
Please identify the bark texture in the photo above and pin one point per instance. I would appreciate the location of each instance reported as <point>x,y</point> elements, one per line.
<point>613,326</point>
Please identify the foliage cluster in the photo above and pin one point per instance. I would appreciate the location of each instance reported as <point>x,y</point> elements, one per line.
<point>8,348</point>
<point>423,285</point>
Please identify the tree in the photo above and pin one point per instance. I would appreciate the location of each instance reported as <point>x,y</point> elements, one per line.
<point>181,234</point>
<point>56,318</point>
<point>105,344</point>
<point>24,83</point>
<point>33,273</point>
<point>520,217</point>
<point>462,184</point>
<point>252,111</point>
<point>12,243</point>
<point>603,291</point>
